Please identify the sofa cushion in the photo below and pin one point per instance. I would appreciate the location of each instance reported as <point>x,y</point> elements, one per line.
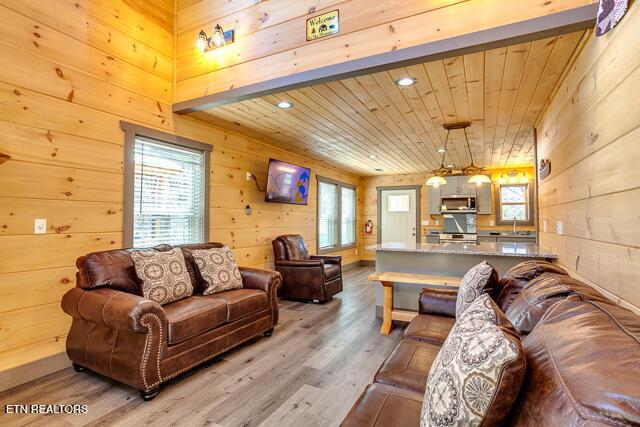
<point>480,279</point>
<point>478,372</point>
<point>193,316</point>
<point>429,328</point>
<point>218,269</point>
<point>164,275</point>
<point>516,278</point>
<point>331,271</point>
<point>381,405</point>
<point>583,366</point>
<point>534,299</point>
<point>241,302</point>
<point>408,365</point>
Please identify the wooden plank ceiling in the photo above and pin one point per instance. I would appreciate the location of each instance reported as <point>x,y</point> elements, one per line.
<point>370,126</point>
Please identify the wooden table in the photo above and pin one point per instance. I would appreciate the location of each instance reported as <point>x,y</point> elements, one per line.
<point>389,279</point>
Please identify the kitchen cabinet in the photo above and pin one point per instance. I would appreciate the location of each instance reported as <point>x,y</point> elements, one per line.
<point>511,239</point>
<point>451,187</point>
<point>484,199</point>
<point>465,188</point>
<point>434,200</point>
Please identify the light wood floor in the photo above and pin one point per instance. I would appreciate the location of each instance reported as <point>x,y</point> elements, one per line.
<point>309,373</point>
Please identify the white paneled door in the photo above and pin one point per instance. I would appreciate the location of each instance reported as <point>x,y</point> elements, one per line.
<point>398,215</point>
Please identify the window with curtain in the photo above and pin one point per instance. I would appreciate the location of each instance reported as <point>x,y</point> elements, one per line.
<point>168,194</point>
<point>336,215</point>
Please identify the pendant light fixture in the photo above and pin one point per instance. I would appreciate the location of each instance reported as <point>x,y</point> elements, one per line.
<point>473,171</point>
<point>438,175</point>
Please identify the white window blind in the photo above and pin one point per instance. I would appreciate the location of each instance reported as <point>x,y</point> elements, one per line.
<point>169,189</point>
<point>327,215</point>
<point>348,217</point>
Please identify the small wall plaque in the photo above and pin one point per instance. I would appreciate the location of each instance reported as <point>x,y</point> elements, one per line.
<point>323,25</point>
<point>545,168</point>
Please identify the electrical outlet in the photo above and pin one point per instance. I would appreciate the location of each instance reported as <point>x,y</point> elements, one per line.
<point>356,252</point>
<point>40,226</point>
<point>492,223</point>
<point>559,228</point>
<point>544,226</point>
<point>437,222</point>
<point>249,176</point>
<point>425,222</point>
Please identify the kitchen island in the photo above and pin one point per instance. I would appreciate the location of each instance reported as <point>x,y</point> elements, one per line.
<point>448,259</point>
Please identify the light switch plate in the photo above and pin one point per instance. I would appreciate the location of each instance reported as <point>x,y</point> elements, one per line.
<point>544,226</point>
<point>425,222</point>
<point>492,223</point>
<point>40,226</point>
<point>248,176</point>
<point>559,228</point>
<point>437,222</point>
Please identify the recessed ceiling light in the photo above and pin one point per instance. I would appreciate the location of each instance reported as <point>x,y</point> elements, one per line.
<point>284,104</point>
<point>441,150</point>
<point>379,170</point>
<point>406,81</point>
<point>373,156</point>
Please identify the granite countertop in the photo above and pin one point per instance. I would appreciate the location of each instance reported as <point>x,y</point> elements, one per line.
<point>524,250</point>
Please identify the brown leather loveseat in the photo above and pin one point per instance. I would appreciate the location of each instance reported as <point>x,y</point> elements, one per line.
<point>118,333</point>
<point>306,277</point>
<point>582,351</point>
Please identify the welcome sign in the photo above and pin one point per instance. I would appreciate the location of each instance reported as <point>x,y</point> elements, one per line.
<point>323,25</point>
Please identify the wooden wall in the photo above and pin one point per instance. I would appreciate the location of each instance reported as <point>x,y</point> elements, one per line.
<point>271,39</point>
<point>75,71</point>
<point>370,205</point>
<point>590,132</point>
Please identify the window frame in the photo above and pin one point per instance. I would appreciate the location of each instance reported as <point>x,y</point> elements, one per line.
<point>529,202</point>
<point>131,131</point>
<point>339,186</point>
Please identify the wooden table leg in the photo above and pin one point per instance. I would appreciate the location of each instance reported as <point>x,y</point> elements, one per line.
<point>387,308</point>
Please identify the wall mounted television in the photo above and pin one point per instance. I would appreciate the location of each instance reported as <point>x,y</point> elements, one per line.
<point>287,183</point>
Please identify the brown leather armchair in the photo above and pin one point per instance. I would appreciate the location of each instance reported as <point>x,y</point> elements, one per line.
<point>122,335</point>
<point>304,276</point>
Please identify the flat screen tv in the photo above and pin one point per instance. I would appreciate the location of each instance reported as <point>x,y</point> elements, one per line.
<point>287,183</point>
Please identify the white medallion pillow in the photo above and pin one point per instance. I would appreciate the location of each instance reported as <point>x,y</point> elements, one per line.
<point>474,284</point>
<point>164,275</point>
<point>218,269</point>
<point>478,372</point>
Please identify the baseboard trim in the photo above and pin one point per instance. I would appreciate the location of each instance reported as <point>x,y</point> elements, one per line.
<point>33,370</point>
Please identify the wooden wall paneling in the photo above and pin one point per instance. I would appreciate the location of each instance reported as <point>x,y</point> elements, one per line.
<point>590,137</point>
<point>406,32</point>
<point>33,288</point>
<point>41,40</point>
<point>69,19</point>
<point>25,326</point>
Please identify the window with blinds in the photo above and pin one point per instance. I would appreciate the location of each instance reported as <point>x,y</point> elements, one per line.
<point>168,195</point>
<point>336,215</point>
<point>327,215</point>
<point>348,217</point>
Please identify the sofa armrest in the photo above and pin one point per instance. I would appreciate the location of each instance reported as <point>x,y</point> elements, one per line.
<point>267,281</point>
<point>264,280</point>
<point>327,259</point>
<point>111,308</point>
<point>440,302</point>
<point>300,263</point>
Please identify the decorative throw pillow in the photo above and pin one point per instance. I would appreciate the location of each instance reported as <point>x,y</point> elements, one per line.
<point>218,269</point>
<point>164,275</point>
<point>478,372</point>
<point>480,279</point>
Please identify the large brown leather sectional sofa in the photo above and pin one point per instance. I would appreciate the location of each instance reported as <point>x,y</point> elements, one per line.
<point>582,351</point>
<point>118,333</point>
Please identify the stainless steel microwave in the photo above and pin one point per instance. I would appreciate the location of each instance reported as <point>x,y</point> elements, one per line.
<point>458,204</point>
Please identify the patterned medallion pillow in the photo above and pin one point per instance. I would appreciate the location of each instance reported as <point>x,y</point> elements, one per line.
<point>218,269</point>
<point>480,279</point>
<point>478,372</point>
<point>164,275</point>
